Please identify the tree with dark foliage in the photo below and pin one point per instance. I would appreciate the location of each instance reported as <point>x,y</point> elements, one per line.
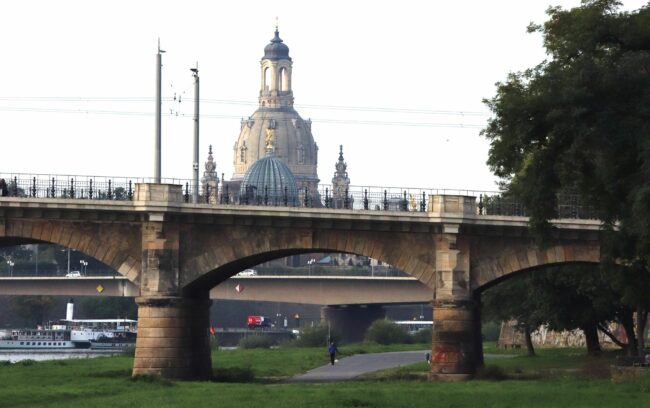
<point>580,121</point>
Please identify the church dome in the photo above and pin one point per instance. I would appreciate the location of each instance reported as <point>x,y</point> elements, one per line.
<point>269,181</point>
<point>276,49</point>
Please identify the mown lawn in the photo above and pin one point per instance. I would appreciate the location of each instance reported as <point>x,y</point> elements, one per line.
<point>106,381</point>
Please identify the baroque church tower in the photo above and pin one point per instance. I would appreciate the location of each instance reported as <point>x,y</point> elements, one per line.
<point>210,180</point>
<point>340,184</point>
<point>293,141</point>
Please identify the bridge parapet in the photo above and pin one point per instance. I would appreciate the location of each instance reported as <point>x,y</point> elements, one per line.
<point>158,193</point>
<point>452,205</point>
<point>362,198</point>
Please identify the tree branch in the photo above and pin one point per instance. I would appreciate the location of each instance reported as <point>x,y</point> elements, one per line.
<point>613,338</point>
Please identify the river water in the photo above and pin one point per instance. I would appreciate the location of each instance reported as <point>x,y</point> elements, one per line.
<point>43,355</point>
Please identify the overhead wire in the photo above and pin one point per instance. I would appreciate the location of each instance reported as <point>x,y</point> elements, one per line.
<point>216,116</point>
<point>175,112</point>
<point>241,102</point>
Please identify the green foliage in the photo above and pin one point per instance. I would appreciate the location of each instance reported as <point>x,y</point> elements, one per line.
<point>257,341</point>
<point>108,308</point>
<point>491,330</point>
<point>579,122</point>
<point>31,309</point>
<point>565,298</point>
<point>387,332</point>
<point>317,336</point>
<point>422,336</point>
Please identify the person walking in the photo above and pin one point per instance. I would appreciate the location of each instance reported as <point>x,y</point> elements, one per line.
<point>332,350</point>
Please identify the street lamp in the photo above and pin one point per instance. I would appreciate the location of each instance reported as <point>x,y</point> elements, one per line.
<point>11,268</point>
<point>310,263</point>
<point>84,266</point>
<point>68,250</point>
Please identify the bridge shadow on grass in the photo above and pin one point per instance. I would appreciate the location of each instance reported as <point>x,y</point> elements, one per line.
<point>233,375</point>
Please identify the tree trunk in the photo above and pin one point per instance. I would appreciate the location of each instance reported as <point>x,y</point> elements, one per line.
<point>612,337</point>
<point>591,337</point>
<point>641,318</point>
<point>529,341</point>
<point>627,321</point>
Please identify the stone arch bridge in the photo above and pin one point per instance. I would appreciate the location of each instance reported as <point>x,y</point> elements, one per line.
<point>176,252</point>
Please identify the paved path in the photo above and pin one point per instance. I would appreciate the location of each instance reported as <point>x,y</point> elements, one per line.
<point>351,367</point>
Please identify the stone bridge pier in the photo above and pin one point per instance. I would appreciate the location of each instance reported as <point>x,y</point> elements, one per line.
<point>456,349</point>
<point>351,321</point>
<point>173,339</point>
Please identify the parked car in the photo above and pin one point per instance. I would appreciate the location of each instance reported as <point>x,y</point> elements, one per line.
<point>73,274</point>
<point>248,272</point>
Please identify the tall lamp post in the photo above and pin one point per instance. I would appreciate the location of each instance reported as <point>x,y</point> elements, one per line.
<point>11,268</point>
<point>310,263</point>
<point>84,266</point>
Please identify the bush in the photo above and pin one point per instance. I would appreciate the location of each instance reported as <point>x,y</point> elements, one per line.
<point>422,336</point>
<point>317,336</point>
<point>257,341</point>
<point>387,332</point>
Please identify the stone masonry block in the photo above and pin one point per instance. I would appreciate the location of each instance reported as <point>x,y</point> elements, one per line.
<point>162,352</point>
<point>37,230</point>
<point>46,233</point>
<point>559,253</point>
<point>158,362</point>
<point>569,252</point>
<point>168,342</point>
<point>160,322</point>
<point>165,332</point>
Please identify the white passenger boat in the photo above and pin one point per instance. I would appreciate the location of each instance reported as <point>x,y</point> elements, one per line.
<point>72,333</point>
<point>50,338</point>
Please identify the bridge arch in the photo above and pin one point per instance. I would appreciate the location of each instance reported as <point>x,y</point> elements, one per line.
<point>115,245</point>
<point>214,257</point>
<point>489,270</point>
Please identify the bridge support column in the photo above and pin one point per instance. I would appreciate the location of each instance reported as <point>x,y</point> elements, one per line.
<point>351,322</point>
<point>456,339</point>
<point>455,355</point>
<point>173,339</point>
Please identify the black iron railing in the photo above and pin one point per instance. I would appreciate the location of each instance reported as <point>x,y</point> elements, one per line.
<point>352,198</point>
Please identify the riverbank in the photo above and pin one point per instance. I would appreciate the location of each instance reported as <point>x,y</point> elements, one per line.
<point>15,356</point>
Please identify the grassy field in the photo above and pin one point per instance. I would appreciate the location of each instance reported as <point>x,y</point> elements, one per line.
<point>556,378</point>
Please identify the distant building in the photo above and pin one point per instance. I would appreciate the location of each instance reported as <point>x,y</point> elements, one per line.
<point>294,143</point>
<point>341,184</point>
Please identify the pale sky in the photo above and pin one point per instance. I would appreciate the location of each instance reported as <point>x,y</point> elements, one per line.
<point>77,82</point>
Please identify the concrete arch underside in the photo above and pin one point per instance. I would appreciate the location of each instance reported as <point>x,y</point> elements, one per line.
<point>118,245</point>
